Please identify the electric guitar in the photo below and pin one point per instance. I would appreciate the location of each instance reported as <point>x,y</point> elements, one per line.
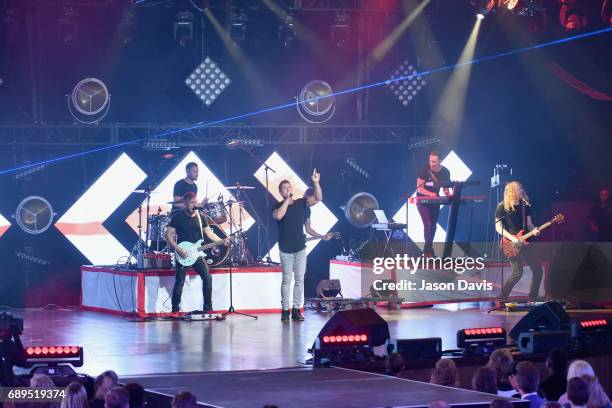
<point>335,235</point>
<point>194,250</point>
<point>512,249</point>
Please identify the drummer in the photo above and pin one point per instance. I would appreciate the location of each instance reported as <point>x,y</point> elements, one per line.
<point>186,185</point>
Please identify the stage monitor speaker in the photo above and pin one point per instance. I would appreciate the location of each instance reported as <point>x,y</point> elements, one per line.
<point>549,316</point>
<point>543,342</point>
<point>329,288</point>
<point>357,321</point>
<point>420,349</point>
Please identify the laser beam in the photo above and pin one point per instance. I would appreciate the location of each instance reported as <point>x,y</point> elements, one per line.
<point>293,104</point>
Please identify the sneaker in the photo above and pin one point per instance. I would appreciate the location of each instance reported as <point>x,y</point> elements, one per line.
<point>285,316</point>
<point>296,315</point>
<point>207,312</point>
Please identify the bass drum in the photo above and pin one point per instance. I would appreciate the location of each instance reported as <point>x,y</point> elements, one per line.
<point>217,255</point>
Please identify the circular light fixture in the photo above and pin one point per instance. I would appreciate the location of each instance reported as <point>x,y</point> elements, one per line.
<point>359,210</point>
<point>34,215</point>
<point>89,101</point>
<point>316,103</point>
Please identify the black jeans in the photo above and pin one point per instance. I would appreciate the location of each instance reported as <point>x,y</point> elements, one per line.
<point>429,214</point>
<point>527,255</point>
<point>202,269</point>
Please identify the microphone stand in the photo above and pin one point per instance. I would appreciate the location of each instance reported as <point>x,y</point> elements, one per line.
<point>230,309</point>
<point>266,169</point>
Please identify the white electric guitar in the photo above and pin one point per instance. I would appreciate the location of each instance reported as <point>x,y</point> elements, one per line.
<point>194,251</point>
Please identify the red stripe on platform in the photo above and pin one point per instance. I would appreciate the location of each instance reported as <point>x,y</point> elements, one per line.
<point>171,272</point>
<point>81,228</point>
<point>141,295</point>
<point>134,314</point>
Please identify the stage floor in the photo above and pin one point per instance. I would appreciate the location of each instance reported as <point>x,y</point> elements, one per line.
<point>306,387</point>
<point>238,343</point>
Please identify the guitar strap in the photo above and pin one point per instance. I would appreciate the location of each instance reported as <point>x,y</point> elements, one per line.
<point>524,218</point>
<point>200,223</point>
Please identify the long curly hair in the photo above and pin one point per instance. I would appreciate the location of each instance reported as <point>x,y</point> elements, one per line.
<point>514,192</point>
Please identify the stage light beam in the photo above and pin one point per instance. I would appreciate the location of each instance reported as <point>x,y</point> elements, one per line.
<point>449,111</point>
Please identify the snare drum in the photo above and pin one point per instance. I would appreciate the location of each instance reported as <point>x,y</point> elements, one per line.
<point>216,212</point>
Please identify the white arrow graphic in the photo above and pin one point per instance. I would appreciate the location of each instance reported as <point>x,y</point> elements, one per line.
<point>208,186</point>
<point>4,225</point>
<point>459,172</point>
<point>322,218</point>
<point>82,223</point>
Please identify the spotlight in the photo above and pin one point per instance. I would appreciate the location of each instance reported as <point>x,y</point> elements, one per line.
<point>89,101</point>
<point>340,30</point>
<point>160,144</point>
<point>183,28</point>
<point>243,142</point>
<point>572,16</point>
<point>54,355</point>
<point>237,31</point>
<point>9,28</point>
<point>589,334</point>
<point>480,16</point>
<point>67,24</point>
<point>316,103</point>
<point>207,81</point>
<point>286,31</point>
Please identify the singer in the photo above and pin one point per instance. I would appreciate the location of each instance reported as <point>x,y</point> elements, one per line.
<point>511,216</point>
<point>433,172</point>
<point>292,215</point>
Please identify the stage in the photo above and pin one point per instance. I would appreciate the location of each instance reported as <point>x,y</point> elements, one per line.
<point>305,387</point>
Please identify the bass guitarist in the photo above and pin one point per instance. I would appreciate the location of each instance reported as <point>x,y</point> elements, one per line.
<point>189,225</point>
<point>511,216</point>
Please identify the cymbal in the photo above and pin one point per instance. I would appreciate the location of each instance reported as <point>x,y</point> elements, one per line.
<point>239,186</point>
<point>174,202</point>
<point>232,202</point>
<point>145,192</point>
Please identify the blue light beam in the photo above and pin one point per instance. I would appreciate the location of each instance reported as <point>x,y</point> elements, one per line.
<point>293,104</point>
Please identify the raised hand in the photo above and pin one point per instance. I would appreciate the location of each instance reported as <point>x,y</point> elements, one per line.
<point>316,177</point>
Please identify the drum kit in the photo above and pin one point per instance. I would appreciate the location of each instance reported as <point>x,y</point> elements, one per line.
<point>218,214</point>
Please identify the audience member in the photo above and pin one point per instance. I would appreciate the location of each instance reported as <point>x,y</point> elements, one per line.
<point>577,368</point>
<point>76,396</point>
<point>184,399</point>
<point>555,384</point>
<point>445,373</point>
<point>394,364</point>
<point>551,404</point>
<point>117,397</point>
<point>501,361</point>
<point>484,380</point>
<point>137,395</point>
<point>439,404</point>
<point>43,381</point>
<point>500,403</point>
<point>527,381</point>
<point>104,382</point>
<point>577,392</point>
<point>597,396</point>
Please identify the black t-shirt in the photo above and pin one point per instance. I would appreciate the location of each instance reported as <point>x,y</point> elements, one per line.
<point>427,175</point>
<point>291,238</point>
<point>187,228</point>
<point>601,214</point>
<point>181,187</point>
<point>512,220</point>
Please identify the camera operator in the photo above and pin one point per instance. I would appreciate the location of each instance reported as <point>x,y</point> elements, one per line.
<point>11,350</point>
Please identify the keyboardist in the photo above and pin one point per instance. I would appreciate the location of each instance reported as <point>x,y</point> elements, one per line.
<point>429,175</point>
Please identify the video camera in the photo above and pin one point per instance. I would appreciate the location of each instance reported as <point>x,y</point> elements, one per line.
<point>10,326</point>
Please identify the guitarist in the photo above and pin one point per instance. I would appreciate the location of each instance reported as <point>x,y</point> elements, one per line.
<point>511,216</point>
<point>190,225</point>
